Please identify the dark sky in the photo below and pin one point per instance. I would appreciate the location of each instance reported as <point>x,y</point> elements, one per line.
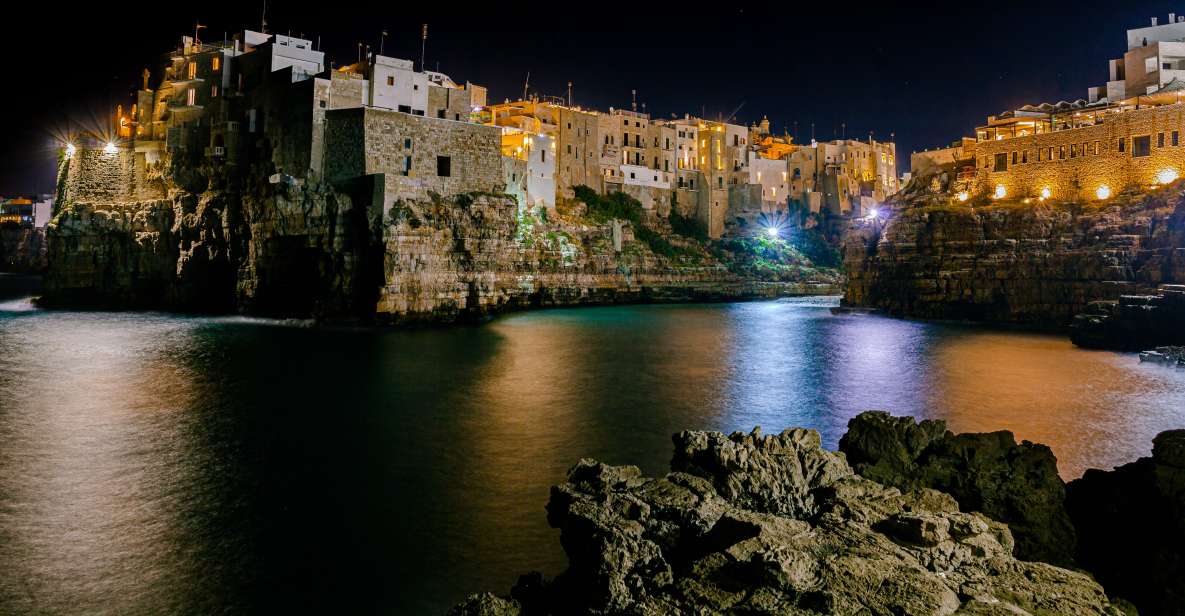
<point>928,73</point>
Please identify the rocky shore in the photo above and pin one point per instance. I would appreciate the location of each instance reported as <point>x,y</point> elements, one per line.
<point>1013,261</point>
<point>212,243</point>
<point>22,250</point>
<point>907,518</point>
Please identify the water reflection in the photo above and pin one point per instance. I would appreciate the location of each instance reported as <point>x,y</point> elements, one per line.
<point>156,464</point>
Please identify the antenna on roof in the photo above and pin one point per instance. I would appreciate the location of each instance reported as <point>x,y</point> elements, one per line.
<point>423,45</point>
<point>734,112</point>
<point>569,93</point>
<point>263,19</point>
<point>382,41</point>
<point>526,84</point>
<point>634,100</point>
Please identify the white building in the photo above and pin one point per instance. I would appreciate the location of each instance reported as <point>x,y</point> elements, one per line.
<point>288,51</point>
<point>394,84</point>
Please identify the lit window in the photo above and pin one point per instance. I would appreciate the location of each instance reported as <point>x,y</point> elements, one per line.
<point>216,63</point>
<point>190,97</point>
<point>192,69</point>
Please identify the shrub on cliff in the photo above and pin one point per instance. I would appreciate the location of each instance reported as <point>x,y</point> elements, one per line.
<point>615,205</point>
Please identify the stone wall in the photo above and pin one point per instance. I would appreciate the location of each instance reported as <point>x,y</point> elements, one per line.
<point>373,141</point>
<point>1079,176</point>
<point>92,174</point>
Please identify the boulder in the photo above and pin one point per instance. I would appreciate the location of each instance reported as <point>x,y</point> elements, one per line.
<point>777,525</point>
<point>1131,526</point>
<point>991,473</point>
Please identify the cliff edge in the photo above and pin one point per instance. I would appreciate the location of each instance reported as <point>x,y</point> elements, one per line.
<point>1026,261</point>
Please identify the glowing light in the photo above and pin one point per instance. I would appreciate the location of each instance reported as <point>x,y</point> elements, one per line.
<point>1001,192</point>
<point>1166,176</point>
<point>110,148</point>
<point>873,213</point>
<point>1103,192</point>
<point>70,150</point>
<point>963,196</point>
<point>772,231</point>
<point>1046,193</point>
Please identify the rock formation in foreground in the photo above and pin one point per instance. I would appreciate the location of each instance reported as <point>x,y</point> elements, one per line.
<point>778,525</point>
<point>989,473</point>
<point>1131,526</point>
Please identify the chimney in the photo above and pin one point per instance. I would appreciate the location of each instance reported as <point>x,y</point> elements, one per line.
<point>1172,18</point>
<point>1154,21</point>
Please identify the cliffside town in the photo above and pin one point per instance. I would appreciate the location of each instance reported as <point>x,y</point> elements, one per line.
<point>1050,212</point>
<point>252,177</point>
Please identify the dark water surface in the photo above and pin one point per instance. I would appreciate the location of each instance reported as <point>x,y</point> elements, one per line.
<point>154,464</point>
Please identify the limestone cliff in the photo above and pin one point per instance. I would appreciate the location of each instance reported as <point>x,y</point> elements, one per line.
<point>22,250</point>
<point>1012,261</point>
<point>219,240</point>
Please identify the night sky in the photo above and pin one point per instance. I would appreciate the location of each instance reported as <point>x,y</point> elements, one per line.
<point>927,73</point>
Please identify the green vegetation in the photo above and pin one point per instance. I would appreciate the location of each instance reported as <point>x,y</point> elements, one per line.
<point>602,209</point>
<point>766,258</point>
<point>812,244</point>
<point>688,226</point>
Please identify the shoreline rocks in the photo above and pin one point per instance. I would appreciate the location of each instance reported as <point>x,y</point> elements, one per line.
<point>747,523</point>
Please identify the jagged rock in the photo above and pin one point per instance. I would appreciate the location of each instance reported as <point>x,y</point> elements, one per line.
<point>1131,526</point>
<point>991,473</point>
<point>777,525</point>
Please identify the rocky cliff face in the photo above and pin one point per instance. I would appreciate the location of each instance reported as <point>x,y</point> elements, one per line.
<point>1015,262</point>
<point>22,250</point>
<point>307,248</point>
<point>777,525</point>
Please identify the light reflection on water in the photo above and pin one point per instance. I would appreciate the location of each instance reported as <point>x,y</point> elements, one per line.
<point>160,464</point>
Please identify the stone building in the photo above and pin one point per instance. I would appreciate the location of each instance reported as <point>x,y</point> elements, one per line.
<point>1092,149</point>
<point>416,156</point>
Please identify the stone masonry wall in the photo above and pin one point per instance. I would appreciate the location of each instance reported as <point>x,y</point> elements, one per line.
<point>1080,177</point>
<point>371,141</point>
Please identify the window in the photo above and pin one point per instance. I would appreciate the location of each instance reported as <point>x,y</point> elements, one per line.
<point>1096,148</point>
<point>1061,152</point>
<point>214,93</point>
<point>1073,150</point>
<point>1001,162</point>
<point>1160,140</point>
<point>1014,158</point>
<point>625,122</point>
<point>322,104</point>
<point>407,143</point>
<point>1122,144</point>
<point>192,69</point>
<point>216,63</point>
<point>190,97</point>
<point>542,156</point>
<point>404,109</point>
<point>390,80</point>
<point>1176,138</point>
<point>444,166</point>
<point>440,113</point>
<point>1024,156</point>
<point>1141,146</point>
